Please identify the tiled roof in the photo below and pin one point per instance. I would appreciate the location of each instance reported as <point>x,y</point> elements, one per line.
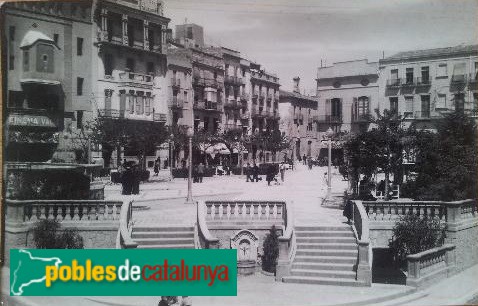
<point>461,49</point>
<point>32,37</point>
<point>296,95</point>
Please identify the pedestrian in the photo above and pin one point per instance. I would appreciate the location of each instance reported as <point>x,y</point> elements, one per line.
<point>195,174</point>
<point>248,173</point>
<point>135,179</point>
<point>282,171</point>
<point>186,301</point>
<point>270,174</point>
<point>200,171</point>
<point>255,173</point>
<point>126,180</point>
<point>183,163</point>
<point>348,210</point>
<point>304,160</point>
<point>156,168</point>
<point>309,162</point>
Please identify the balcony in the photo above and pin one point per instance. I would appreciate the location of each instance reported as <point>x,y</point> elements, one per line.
<point>361,118</point>
<point>111,113</point>
<point>207,106</point>
<point>212,83</point>
<point>336,119</point>
<point>262,96</point>
<point>422,115</point>
<point>198,81</point>
<point>257,113</point>
<point>244,115</point>
<point>255,95</point>
<point>393,83</point>
<point>108,38</point>
<point>232,127</point>
<point>408,82</point>
<point>264,77</point>
<point>176,103</point>
<point>245,97</point>
<point>458,79</point>
<point>423,81</point>
<point>231,103</point>
<point>157,117</point>
<point>233,80</point>
<point>176,83</point>
<point>298,117</point>
<point>136,80</point>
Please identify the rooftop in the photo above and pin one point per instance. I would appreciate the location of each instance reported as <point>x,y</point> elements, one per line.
<point>437,52</point>
<point>347,69</point>
<point>296,95</point>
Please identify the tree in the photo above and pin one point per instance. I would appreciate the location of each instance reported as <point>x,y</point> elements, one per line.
<point>46,236</point>
<point>446,160</point>
<point>143,136</point>
<point>273,141</point>
<point>271,251</point>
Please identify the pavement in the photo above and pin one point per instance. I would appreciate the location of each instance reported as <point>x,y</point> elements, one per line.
<point>163,201</point>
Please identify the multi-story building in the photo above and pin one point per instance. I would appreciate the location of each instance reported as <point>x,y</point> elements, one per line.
<point>234,89</point>
<point>48,78</point>
<point>130,47</point>
<point>299,116</point>
<point>422,85</point>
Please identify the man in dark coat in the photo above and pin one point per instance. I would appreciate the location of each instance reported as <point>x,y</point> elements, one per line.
<point>255,173</point>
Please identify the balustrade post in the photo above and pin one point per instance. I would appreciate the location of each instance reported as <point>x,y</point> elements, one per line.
<point>14,213</point>
<point>283,263</point>
<point>364,271</point>
<point>450,259</point>
<point>413,271</point>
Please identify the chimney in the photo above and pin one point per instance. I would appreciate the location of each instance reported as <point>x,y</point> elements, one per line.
<point>296,84</point>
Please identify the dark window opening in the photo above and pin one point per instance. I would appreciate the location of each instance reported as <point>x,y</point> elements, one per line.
<point>11,33</point>
<point>56,37</point>
<point>394,105</point>
<point>79,86</point>
<point>79,46</point>
<point>108,64</point>
<point>130,64</point>
<point>11,62</point>
<point>150,68</point>
<point>189,33</point>
<point>79,119</point>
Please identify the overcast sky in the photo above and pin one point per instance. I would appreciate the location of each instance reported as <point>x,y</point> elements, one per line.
<point>291,37</point>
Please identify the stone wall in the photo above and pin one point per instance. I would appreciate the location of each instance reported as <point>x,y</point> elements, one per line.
<point>225,235</point>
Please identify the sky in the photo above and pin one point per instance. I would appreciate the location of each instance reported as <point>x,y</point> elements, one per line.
<point>291,38</point>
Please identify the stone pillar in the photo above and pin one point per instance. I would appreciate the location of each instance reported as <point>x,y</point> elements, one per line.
<point>283,263</point>
<point>104,24</point>
<point>364,271</point>
<point>124,20</point>
<point>146,34</point>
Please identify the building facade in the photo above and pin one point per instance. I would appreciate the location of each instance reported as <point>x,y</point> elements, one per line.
<point>130,66</point>
<point>48,78</point>
<point>299,122</point>
<point>423,85</point>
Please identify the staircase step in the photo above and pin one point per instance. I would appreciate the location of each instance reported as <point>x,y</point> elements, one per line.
<point>166,246</point>
<point>140,234</point>
<point>321,281</point>
<point>145,228</point>
<point>327,246</point>
<point>301,234</point>
<point>326,240</point>
<point>322,252</point>
<point>326,259</point>
<point>175,241</point>
<point>322,228</point>
<point>322,266</point>
<point>323,273</point>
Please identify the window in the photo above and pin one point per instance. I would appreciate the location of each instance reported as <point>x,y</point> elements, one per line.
<point>206,123</point>
<point>79,46</point>
<point>425,106</point>
<point>362,107</point>
<point>108,64</point>
<point>139,104</point>
<point>408,106</point>
<point>185,96</point>
<point>442,70</point>
<point>45,61</point>
<point>475,74</point>
<point>459,70</point>
<point>425,75</point>
<point>147,105</point>
<point>150,68</point>
<point>441,101</point>
<point>131,29</point>
<point>394,105</point>
<point>79,86</point>
<point>11,62</point>
<point>56,37</point>
<point>409,76</point>
<point>130,64</point>
<point>11,33</point>
<point>79,119</point>
<point>131,101</point>
<point>26,60</point>
<point>189,33</point>
<point>459,102</point>
<point>151,39</point>
<point>394,74</point>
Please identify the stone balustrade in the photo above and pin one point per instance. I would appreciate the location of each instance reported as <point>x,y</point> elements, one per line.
<point>251,210</point>
<point>360,226</point>
<point>27,211</point>
<point>394,210</point>
<point>431,266</point>
<point>124,240</point>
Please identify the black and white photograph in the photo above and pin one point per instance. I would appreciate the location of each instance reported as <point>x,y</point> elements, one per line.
<point>331,143</point>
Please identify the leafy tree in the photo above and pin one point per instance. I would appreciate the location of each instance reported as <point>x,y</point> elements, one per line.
<point>273,141</point>
<point>271,251</point>
<point>47,235</point>
<point>414,234</point>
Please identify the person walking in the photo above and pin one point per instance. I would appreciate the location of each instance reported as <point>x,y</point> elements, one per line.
<point>255,173</point>
<point>309,162</point>
<point>270,174</point>
<point>282,171</point>
<point>248,173</point>
<point>200,170</point>
<point>304,160</point>
<point>156,168</point>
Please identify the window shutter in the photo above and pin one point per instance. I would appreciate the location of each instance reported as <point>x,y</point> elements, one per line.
<point>327,107</point>
<point>355,108</point>
<point>369,102</point>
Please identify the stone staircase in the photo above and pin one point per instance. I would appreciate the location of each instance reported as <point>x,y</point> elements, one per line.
<point>163,237</point>
<point>325,255</point>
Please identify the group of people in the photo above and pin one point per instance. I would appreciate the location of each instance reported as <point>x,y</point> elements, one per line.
<point>252,173</point>
<point>130,177</point>
<point>173,300</point>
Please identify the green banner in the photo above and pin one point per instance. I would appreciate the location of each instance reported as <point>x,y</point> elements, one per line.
<point>132,272</point>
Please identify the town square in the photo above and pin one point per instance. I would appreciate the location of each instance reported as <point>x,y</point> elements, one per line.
<point>340,167</point>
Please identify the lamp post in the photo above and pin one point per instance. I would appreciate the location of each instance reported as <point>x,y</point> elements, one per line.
<point>171,143</point>
<point>189,199</point>
<point>329,134</point>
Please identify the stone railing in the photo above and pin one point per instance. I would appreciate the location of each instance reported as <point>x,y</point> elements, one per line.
<point>210,242</point>
<point>431,266</point>
<point>248,210</point>
<point>287,247</point>
<point>360,226</point>
<point>29,211</point>
<point>126,225</point>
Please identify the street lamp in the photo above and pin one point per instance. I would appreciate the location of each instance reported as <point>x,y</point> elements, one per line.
<point>171,143</point>
<point>329,134</point>
<point>189,199</point>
